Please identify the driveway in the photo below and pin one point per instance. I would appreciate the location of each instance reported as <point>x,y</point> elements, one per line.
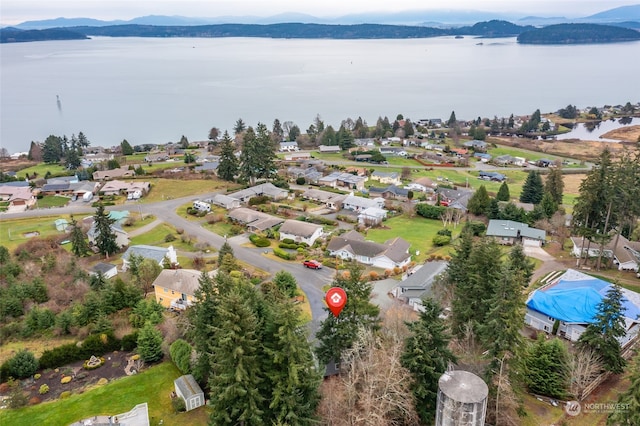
<point>549,263</point>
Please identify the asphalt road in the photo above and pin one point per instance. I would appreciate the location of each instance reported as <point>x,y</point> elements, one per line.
<point>310,281</point>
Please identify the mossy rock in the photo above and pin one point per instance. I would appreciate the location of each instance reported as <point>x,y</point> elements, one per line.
<point>66,379</point>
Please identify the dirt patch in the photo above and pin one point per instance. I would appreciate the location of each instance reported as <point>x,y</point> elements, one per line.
<point>571,148</point>
<point>113,368</point>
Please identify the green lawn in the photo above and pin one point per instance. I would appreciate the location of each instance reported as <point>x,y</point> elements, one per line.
<point>162,189</point>
<point>52,201</point>
<point>327,156</point>
<point>16,231</point>
<point>221,228</point>
<point>418,231</point>
<point>41,170</point>
<point>152,386</point>
<point>529,155</point>
<point>156,237</point>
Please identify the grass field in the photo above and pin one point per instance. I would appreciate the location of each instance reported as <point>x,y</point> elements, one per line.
<point>52,201</point>
<point>163,189</point>
<point>152,386</point>
<point>417,231</point>
<point>16,231</point>
<point>156,237</point>
<point>41,170</point>
<point>37,346</point>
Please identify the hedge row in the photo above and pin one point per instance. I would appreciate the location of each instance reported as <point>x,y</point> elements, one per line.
<point>259,241</point>
<point>283,254</point>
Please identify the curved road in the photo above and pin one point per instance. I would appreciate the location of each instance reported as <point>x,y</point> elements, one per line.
<point>310,281</point>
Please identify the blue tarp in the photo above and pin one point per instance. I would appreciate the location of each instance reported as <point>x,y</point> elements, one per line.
<point>576,301</point>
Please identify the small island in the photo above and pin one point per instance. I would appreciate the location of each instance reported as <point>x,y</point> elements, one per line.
<point>578,34</point>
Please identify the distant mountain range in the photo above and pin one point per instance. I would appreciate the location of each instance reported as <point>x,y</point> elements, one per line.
<point>431,18</point>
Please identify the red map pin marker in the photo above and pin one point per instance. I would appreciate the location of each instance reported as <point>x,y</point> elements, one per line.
<point>336,298</point>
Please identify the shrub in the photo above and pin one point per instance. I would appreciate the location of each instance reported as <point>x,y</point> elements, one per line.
<point>430,212</point>
<point>281,254</point>
<point>65,394</point>
<point>43,389</point>
<point>397,270</point>
<point>22,364</point>
<point>446,232</point>
<point>180,352</point>
<point>260,199</point>
<point>169,238</point>
<point>86,365</point>
<point>301,180</point>
<point>477,228</point>
<point>441,240</point>
<point>66,379</point>
<point>373,276</point>
<point>178,405</point>
<point>37,376</point>
<point>129,342</point>
<point>259,241</point>
<point>288,241</point>
<point>283,245</point>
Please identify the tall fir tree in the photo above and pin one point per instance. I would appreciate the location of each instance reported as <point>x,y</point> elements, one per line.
<point>427,355</point>
<point>503,193</point>
<point>602,335</point>
<point>545,367</point>
<point>228,166</point>
<point>479,202</point>
<point>105,236</point>
<point>235,353</point>
<point>150,343</point>
<point>554,184</point>
<point>336,334</point>
<point>629,400</point>
<point>532,190</point>
<point>79,245</point>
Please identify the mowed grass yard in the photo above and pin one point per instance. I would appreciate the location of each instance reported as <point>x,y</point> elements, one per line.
<point>418,231</point>
<point>152,386</point>
<point>163,189</point>
<point>17,231</point>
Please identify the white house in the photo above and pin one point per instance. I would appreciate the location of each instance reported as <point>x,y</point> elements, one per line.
<point>352,246</point>
<point>224,201</point>
<point>570,304</point>
<point>329,148</point>
<point>509,232</point>
<point>390,178</point>
<point>150,252</point>
<point>372,216</point>
<point>625,253</point>
<point>300,232</point>
<point>267,189</point>
<point>423,184</point>
<point>355,203</point>
<point>107,270</point>
<point>331,200</point>
<point>288,146</point>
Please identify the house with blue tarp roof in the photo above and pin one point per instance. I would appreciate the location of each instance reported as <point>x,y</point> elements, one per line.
<point>572,301</point>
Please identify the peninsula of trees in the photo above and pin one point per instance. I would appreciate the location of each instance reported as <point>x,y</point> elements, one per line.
<point>578,34</point>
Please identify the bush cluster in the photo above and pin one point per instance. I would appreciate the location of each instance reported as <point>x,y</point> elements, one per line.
<point>259,241</point>
<point>288,243</point>
<point>282,254</point>
<point>318,220</point>
<point>259,199</point>
<point>43,389</point>
<point>96,344</point>
<point>441,240</point>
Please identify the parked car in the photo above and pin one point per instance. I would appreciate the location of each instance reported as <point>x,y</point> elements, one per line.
<point>312,264</point>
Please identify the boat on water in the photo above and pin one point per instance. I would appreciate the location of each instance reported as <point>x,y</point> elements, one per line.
<point>458,36</point>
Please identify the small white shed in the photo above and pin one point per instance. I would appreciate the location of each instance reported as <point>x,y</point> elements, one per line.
<point>188,389</point>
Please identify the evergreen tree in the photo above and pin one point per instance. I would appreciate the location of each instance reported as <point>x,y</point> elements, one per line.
<point>548,205</point>
<point>427,356</point>
<point>258,154</point>
<point>532,190</point>
<point>235,363</point>
<point>228,167</point>
<point>180,352</point>
<point>224,250</point>
<point>479,201</point>
<point>277,130</point>
<point>630,400</point>
<point>503,192</point>
<point>545,367</point>
<point>72,159</point>
<point>214,133</point>
<point>344,138</point>
<point>554,184</point>
<point>338,334</point>
<point>79,245</point>
<point>453,121</point>
<point>150,343</point>
<point>52,149</point>
<point>105,236</point>
<point>291,375</point>
<point>602,335</point>
<point>286,283</point>
<point>493,211</point>
<point>503,310</point>
<point>184,142</point>
<point>126,147</point>
<point>329,137</point>
<point>83,142</point>
<point>513,212</point>
<point>520,265</point>
<point>239,127</point>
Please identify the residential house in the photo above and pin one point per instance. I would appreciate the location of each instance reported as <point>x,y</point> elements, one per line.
<point>176,288</point>
<point>433,146</point>
<point>364,143</point>
<point>423,184</point>
<point>509,232</point>
<point>476,145</point>
<point>493,176</point>
<point>358,171</point>
<point>389,150</point>
<point>297,156</point>
<point>329,148</point>
<point>113,174</point>
<point>208,167</point>
<point>108,270</point>
<point>544,162</point>
<point>390,178</point>
<point>372,216</point>
<point>157,254</point>
<point>254,220</point>
<point>310,174</point>
<point>504,160</point>
<point>418,283</point>
<point>483,157</point>
<point>300,232</point>
<point>352,246</point>
<point>156,157</point>
<point>188,389</point>
<point>119,187</point>
<point>571,301</point>
<point>122,237</point>
<point>19,197</point>
<point>391,192</point>
<point>331,200</point>
<point>289,146</point>
<point>454,198</point>
<point>625,253</point>
<point>363,157</point>
<point>358,204</point>
<point>264,189</point>
<point>340,179</point>
<point>224,201</point>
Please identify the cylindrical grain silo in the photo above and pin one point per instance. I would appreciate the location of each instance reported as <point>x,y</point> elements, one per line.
<point>462,399</point>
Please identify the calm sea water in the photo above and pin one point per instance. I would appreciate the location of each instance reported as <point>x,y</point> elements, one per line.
<point>155,90</point>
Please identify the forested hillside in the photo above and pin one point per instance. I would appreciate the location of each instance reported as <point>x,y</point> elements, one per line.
<point>578,34</point>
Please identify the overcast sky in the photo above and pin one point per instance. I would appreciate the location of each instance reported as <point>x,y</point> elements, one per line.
<point>17,11</point>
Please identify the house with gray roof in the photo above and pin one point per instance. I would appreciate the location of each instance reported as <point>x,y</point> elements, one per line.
<point>329,148</point>
<point>372,216</point>
<point>391,192</point>
<point>264,189</point>
<point>390,178</point>
<point>224,201</point>
<point>254,220</point>
<point>454,198</point>
<point>157,254</point>
<point>176,288</point>
<point>352,246</point>
<point>509,232</point>
<point>355,203</point>
<point>286,146</point>
<point>477,145</point>
<point>504,160</point>
<point>418,283</point>
<point>208,167</point>
<point>188,389</point>
<point>122,237</point>
<point>300,232</point>
<point>108,270</point>
<point>331,200</point>
<point>340,179</point>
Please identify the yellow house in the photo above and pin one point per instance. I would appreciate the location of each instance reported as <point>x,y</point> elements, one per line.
<point>176,288</point>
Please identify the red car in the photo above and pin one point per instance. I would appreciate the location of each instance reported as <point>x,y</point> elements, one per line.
<point>312,264</point>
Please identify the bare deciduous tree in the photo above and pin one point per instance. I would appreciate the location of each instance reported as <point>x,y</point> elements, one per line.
<point>583,367</point>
